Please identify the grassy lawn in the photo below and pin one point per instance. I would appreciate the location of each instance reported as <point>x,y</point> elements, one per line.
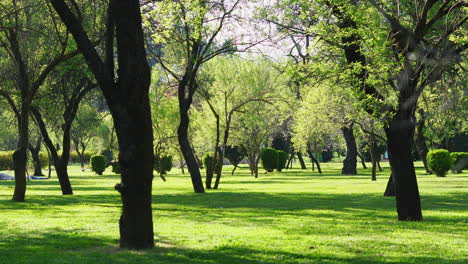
<point>290,217</point>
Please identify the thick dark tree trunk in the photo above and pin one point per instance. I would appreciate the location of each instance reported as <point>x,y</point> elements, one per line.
<point>349,163</point>
<point>400,132</point>
<point>20,157</point>
<point>390,189</point>
<point>128,100</point>
<point>191,161</point>
<point>35,150</point>
<point>301,160</point>
<point>363,162</point>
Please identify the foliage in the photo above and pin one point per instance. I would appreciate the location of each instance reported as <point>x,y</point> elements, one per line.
<point>163,164</point>
<point>98,164</point>
<point>282,159</point>
<point>108,154</point>
<point>116,168</point>
<point>439,161</point>
<point>6,160</point>
<point>234,154</point>
<point>209,160</point>
<point>269,159</point>
<point>460,161</point>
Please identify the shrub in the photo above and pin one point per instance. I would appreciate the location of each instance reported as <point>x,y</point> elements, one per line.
<point>116,167</point>
<point>269,159</point>
<point>327,156</point>
<point>234,154</point>
<point>6,160</point>
<point>439,161</point>
<point>74,158</point>
<point>282,159</point>
<point>163,164</point>
<point>460,161</point>
<point>209,161</point>
<point>44,159</point>
<point>108,154</point>
<point>98,164</point>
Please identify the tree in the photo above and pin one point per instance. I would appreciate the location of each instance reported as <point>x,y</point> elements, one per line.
<point>72,85</point>
<point>128,100</point>
<point>26,30</point>
<point>83,128</point>
<point>192,35</point>
<point>235,84</point>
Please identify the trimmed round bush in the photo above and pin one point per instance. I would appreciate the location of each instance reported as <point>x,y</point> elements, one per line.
<point>269,159</point>
<point>98,164</point>
<point>209,161</point>
<point>282,160</point>
<point>439,161</point>
<point>116,167</point>
<point>163,164</point>
<point>460,161</point>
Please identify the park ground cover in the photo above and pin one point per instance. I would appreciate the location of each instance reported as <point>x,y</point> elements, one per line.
<point>296,216</point>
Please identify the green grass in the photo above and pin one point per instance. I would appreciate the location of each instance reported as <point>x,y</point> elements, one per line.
<point>291,217</point>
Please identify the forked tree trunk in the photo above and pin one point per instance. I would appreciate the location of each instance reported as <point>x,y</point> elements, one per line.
<point>35,151</point>
<point>349,163</point>
<point>363,162</point>
<point>314,161</point>
<point>301,160</point>
<point>400,132</point>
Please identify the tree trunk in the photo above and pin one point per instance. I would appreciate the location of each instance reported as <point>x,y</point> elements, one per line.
<point>390,189</point>
<point>301,160</point>
<point>378,165</point>
<point>60,163</point>
<point>233,170</point>
<point>128,100</point>
<point>20,157</point>
<point>62,175</point>
<point>314,160</point>
<point>373,156</point>
<point>182,135</point>
<point>35,150</point>
<point>420,141</point>
<point>349,163</point>
<point>362,161</point>
<point>400,133</point>
<point>290,160</point>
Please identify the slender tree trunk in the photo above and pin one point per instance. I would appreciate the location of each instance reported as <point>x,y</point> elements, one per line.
<point>233,170</point>
<point>314,160</point>
<point>400,133</point>
<point>378,165</point>
<point>420,141</point>
<point>60,163</point>
<point>349,163</point>
<point>301,160</point>
<point>362,160</point>
<point>373,156</point>
<point>182,135</point>
<point>62,175</point>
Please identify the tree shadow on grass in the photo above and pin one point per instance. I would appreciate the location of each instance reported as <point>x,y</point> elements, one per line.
<point>68,247</point>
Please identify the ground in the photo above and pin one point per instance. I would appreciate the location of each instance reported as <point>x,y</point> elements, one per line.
<point>295,216</point>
